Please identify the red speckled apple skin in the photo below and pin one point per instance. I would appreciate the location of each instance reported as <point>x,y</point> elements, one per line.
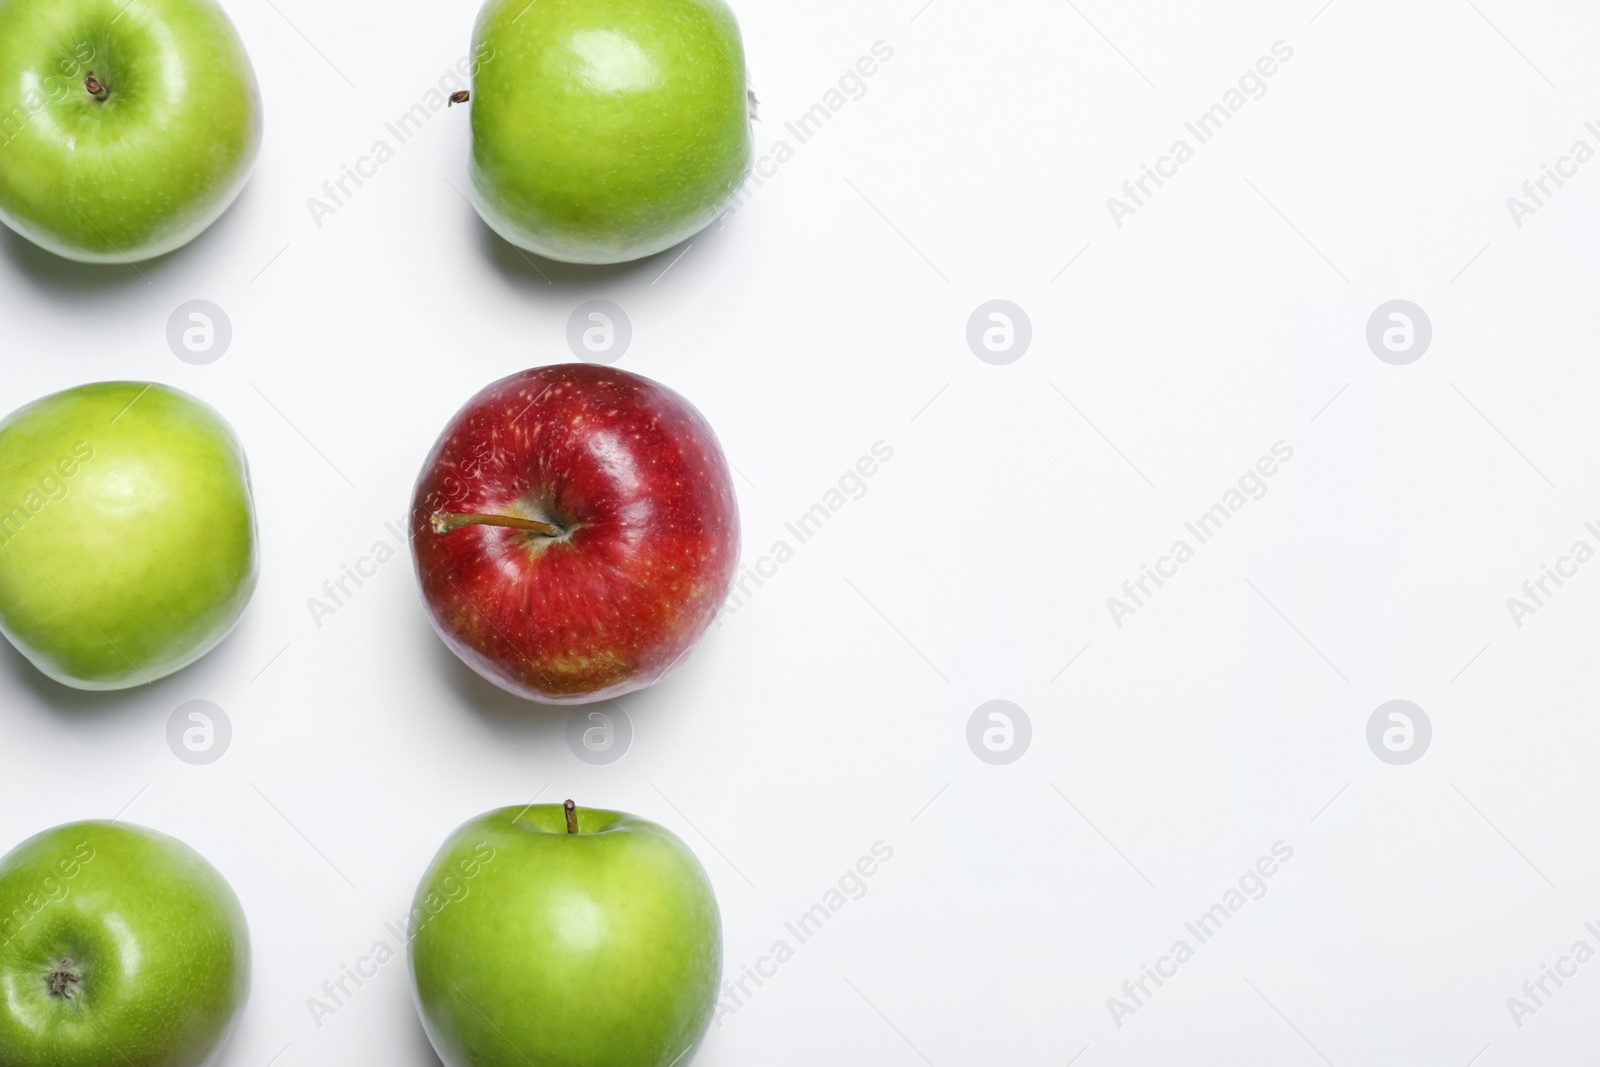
<point>634,477</point>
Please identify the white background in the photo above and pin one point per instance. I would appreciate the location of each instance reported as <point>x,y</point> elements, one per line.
<point>830,712</point>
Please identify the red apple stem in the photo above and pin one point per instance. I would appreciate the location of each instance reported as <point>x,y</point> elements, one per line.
<point>572,816</point>
<point>445,522</point>
<point>96,87</point>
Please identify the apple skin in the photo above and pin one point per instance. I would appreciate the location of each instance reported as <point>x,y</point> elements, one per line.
<point>145,170</point>
<point>127,532</point>
<point>596,949</point>
<point>633,476</point>
<point>154,934</point>
<point>607,130</point>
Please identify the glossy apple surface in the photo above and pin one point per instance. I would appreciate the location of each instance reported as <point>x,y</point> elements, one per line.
<point>628,541</point>
<point>607,130</point>
<point>601,948</point>
<point>125,128</point>
<point>118,945</point>
<point>127,532</point>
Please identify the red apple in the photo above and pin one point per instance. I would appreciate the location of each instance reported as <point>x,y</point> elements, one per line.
<point>575,531</point>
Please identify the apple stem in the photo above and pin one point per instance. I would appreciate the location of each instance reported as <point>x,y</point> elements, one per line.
<point>444,522</point>
<point>62,978</point>
<point>460,96</point>
<point>96,87</point>
<point>572,816</point>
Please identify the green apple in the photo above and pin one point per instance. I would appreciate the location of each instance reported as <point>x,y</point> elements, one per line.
<point>127,532</point>
<point>118,946</point>
<point>606,130</point>
<point>126,126</point>
<point>565,938</point>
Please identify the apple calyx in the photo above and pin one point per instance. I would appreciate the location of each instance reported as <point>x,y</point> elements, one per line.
<point>460,96</point>
<point>95,86</point>
<point>572,816</point>
<point>62,979</point>
<point>446,522</point>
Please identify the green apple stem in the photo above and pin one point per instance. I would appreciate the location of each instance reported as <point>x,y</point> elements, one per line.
<point>572,816</point>
<point>445,522</point>
<point>62,978</point>
<point>96,87</point>
<point>460,96</point>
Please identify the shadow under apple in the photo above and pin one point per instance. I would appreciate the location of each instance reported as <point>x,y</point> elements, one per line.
<point>424,1056</point>
<point>17,670</point>
<point>508,716</point>
<point>66,278</point>
<point>527,722</point>
<point>528,270</point>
